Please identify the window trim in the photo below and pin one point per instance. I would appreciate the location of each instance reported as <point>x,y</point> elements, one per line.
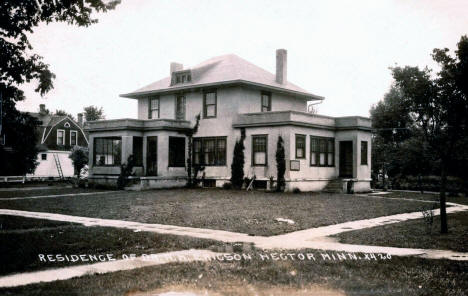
<point>266,150</point>
<point>205,105</point>
<point>150,110</point>
<point>304,147</point>
<point>95,163</point>
<point>63,138</point>
<point>202,151</point>
<point>76,138</point>
<point>265,93</point>
<point>364,161</point>
<point>317,158</point>
<point>169,165</point>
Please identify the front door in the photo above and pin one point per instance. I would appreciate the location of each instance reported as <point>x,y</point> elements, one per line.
<point>346,159</point>
<point>152,156</point>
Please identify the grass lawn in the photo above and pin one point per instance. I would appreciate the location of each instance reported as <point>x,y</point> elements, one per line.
<point>23,239</point>
<point>239,211</point>
<point>397,276</point>
<point>55,190</point>
<point>426,196</point>
<point>413,234</point>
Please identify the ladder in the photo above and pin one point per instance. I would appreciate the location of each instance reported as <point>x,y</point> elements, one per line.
<point>58,165</point>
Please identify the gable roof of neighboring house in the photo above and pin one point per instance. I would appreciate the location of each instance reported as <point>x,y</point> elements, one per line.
<point>221,70</point>
<point>48,122</point>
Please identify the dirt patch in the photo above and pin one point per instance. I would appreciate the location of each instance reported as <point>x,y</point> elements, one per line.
<point>239,289</point>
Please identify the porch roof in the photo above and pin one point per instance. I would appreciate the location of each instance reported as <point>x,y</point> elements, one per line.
<point>281,118</point>
<point>137,124</point>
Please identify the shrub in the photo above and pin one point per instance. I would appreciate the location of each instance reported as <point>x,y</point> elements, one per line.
<point>237,166</point>
<point>280,164</point>
<point>227,186</point>
<point>296,190</point>
<point>126,170</point>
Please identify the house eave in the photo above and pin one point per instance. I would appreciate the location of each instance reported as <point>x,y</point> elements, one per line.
<point>190,87</point>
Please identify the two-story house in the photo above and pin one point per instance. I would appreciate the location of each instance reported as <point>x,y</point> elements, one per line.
<point>232,96</point>
<point>56,136</point>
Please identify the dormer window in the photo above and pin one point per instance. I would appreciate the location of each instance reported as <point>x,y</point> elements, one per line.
<point>181,77</point>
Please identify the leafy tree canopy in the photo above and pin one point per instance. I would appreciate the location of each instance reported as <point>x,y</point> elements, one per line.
<point>93,113</point>
<point>64,113</point>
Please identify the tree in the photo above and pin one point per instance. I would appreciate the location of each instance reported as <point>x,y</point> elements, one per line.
<point>439,107</point>
<point>93,113</point>
<point>190,162</point>
<point>280,164</point>
<point>80,157</point>
<point>238,160</point>
<point>393,125</point>
<point>64,113</point>
<point>18,65</point>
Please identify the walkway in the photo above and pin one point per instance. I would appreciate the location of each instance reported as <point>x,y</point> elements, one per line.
<point>314,238</point>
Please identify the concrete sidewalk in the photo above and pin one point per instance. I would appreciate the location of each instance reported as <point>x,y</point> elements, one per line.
<point>314,238</point>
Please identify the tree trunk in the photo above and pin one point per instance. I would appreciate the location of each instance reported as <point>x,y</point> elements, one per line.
<point>443,210</point>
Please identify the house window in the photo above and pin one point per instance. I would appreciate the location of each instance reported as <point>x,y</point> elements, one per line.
<point>300,146</point>
<point>107,151</point>
<point>138,150</point>
<point>266,101</point>
<point>322,151</point>
<point>209,151</point>
<point>180,107</point>
<point>153,108</point>
<point>61,137</point>
<point>363,152</point>
<point>259,150</point>
<point>181,77</point>
<point>73,138</point>
<point>44,156</point>
<point>176,152</point>
<point>209,104</point>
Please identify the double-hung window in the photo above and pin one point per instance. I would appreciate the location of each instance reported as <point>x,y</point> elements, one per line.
<point>209,104</point>
<point>60,137</point>
<point>209,151</point>
<point>266,101</point>
<point>300,146</point>
<point>180,107</point>
<point>107,151</point>
<point>73,138</point>
<point>322,151</point>
<point>153,108</point>
<point>259,150</point>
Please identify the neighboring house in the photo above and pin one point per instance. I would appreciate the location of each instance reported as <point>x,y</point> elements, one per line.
<point>232,96</point>
<point>56,136</point>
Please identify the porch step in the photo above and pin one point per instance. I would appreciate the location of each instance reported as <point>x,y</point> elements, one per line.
<point>334,186</point>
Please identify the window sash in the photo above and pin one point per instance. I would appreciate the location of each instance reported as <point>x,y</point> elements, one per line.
<point>209,151</point>
<point>259,150</point>
<point>153,108</point>
<point>180,107</point>
<point>107,151</point>
<point>210,104</point>
<point>266,102</point>
<point>322,151</point>
<point>60,137</point>
<point>300,146</point>
<point>73,138</point>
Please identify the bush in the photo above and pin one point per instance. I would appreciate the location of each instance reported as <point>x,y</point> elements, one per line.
<point>237,166</point>
<point>126,170</point>
<point>296,190</point>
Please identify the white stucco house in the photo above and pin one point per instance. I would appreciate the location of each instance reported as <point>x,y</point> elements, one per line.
<point>232,96</point>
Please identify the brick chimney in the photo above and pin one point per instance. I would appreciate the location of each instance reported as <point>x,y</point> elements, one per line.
<point>176,67</point>
<point>281,66</point>
<point>80,119</point>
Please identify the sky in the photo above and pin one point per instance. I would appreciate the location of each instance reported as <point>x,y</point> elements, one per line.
<point>341,50</point>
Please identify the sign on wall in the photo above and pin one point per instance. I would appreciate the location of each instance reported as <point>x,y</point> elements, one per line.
<point>294,165</point>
